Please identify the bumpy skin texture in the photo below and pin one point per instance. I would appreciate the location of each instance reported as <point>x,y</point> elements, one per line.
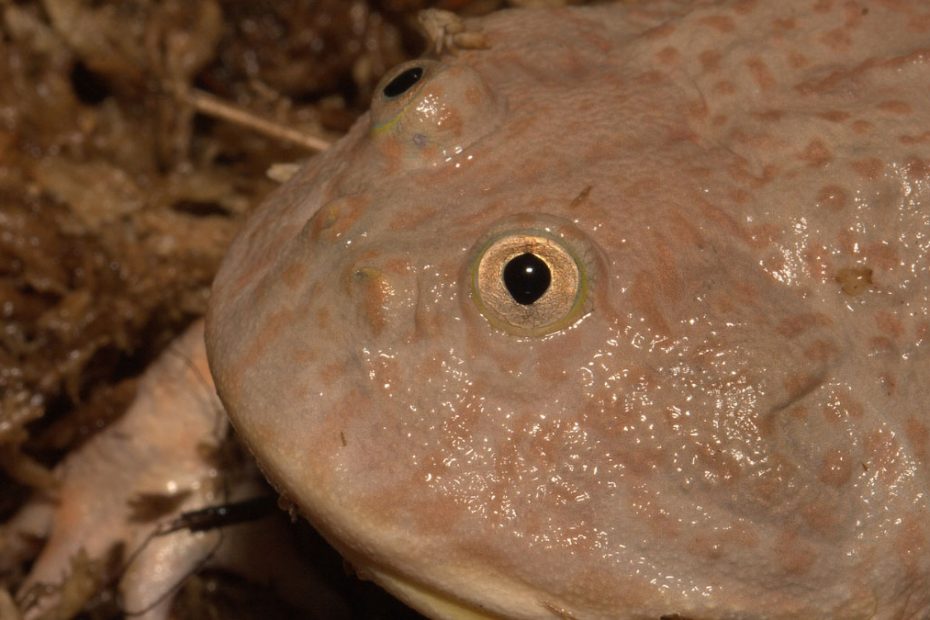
<point>737,423</point>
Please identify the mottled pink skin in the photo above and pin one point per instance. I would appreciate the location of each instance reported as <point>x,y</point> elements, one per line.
<point>738,427</point>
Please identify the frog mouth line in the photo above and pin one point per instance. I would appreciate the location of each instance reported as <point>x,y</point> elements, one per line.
<point>423,599</point>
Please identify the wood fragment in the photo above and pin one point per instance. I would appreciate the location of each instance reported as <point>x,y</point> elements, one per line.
<point>209,105</point>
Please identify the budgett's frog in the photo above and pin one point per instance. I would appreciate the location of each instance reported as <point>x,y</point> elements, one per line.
<point>610,312</point>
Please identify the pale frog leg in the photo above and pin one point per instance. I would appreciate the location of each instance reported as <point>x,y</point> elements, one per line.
<point>158,448</point>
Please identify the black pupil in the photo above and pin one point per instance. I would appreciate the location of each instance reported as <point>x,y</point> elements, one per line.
<point>526,277</point>
<point>402,83</point>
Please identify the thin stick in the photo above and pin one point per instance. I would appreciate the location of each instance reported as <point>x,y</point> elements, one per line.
<point>205,103</point>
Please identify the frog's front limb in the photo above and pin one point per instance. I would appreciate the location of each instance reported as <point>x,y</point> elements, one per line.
<point>142,471</point>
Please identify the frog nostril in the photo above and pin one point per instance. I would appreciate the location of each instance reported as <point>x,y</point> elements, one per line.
<point>403,82</point>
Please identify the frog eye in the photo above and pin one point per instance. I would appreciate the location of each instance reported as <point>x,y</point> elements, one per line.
<point>427,112</point>
<point>530,283</point>
<point>402,82</point>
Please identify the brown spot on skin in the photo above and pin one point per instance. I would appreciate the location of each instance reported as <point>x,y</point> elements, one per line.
<point>797,60</point>
<point>816,153</point>
<point>889,324</point>
<point>854,281</point>
<point>773,263</point>
<point>710,60</point>
<point>921,138</point>
<point>832,197</point>
<point>862,127</point>
<point>846,406</point>
<point>798,413</point>
<point>411,219</point>
<point>723,220</point>
<point>800,383</point>
<point>880,345</point>
<point>794,326</point>
<point>684,230</point>
<point>770,116</point>
<point>720,23</point>
<point>761,74</point>
<point>451,121</point>
<point>834,116</point>
<point>820,516</point>
<point>838,77</point>
<point>392,153</point>
<point>794,556</point>
<point>836,468</point>
<point>895,107</point>
<point>335,218</point>
<point>717,466</point>
<point>821,351</point>
<point>699,109</point>
<point>919,23</point>
<point>331,373</point>
<point>869,168</point>
<point>917,169</point>
<point>273,326</point>
<point>823,6</point>
<point>294,274</point>
<point>837,39</point>
<point>660,32</point>
<point>474,96</point>
<point>842,407</point>
<point>724,87</point>
<point>650,78</point>
<point>817,260</point>
<point>881,255</point>
<point>740,196</point>
<point>764,235</point>
<point>788,23</point>
<point>846,241</point>
<point>911,543</point>
<point>666,273</point>
<point>918,435</point>
<point>668,55</point>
